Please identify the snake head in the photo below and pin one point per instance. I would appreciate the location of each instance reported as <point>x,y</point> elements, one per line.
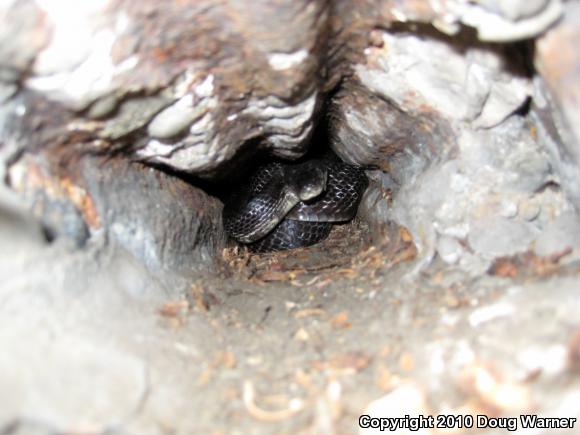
<point>310,181</point>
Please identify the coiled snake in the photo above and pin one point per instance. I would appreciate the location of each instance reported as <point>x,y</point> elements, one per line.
<point>290,205</point>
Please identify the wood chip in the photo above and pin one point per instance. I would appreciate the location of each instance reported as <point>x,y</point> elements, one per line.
<point>405,234</point>
<point>385,379</point>
<point>340,321</point>
<point>249,397</point>
<point>452,301</point>
<point>307,312</point>
<point>324,283</point>
<point>174,309</point>
<point>406,362</point>
<point>301,335</point>
<point>206,376</point>
<point>200,298</point>
<point>494,391</point>
<point>528,263</point>
<point>574,352</point>
<point>504,267</point>
<point>226,359</point>
<point>272,276</point>
<point>349,362</point>
<point>313,280</point>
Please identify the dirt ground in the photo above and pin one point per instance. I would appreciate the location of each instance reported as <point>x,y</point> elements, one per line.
<point>300,342</point>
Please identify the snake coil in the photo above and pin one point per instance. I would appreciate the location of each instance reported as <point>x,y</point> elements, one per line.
<point>291,205</point>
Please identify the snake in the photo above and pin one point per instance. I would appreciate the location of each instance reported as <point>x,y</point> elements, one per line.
<point>287,205</point>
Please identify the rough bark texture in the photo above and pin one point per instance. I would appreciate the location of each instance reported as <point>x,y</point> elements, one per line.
<point>168,81</point>
<point>162,220</point>
<point>557,107</point>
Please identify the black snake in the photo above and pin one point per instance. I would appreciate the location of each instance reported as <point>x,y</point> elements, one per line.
<point>289,205</point>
